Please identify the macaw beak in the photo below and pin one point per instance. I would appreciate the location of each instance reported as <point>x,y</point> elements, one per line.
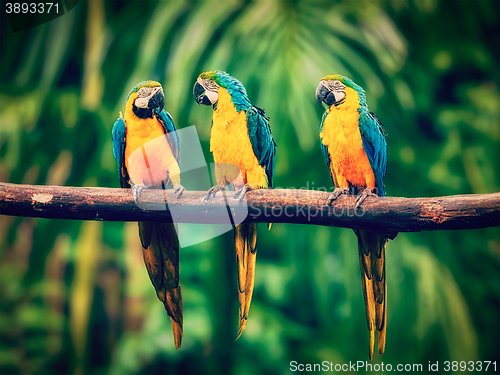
<point>321,94</point>
<point>199,95</point>
<point>157,99</point>
<point>325,95</point>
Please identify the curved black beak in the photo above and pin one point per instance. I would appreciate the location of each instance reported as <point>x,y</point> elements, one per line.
<point>321,94</point>
<point>199,95</point>
<point>327,96</point>
<point>157,100</point>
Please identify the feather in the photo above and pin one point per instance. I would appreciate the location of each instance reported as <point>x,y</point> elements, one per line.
<point>324,149</point>
<point>262,141</point>
<point>372,265</point>
<point>119,133</point>
<point>375,146</point>
<point>245,241</point>
<point>172,136</point>
<point>159,240</point>
<point>356,154</point>
<point>161,256</point>
<point>235,118</point>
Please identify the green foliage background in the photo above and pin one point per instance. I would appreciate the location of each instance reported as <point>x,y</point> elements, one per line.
<point>75,296</point>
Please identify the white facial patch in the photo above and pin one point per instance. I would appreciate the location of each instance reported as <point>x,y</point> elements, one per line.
<point>211,89</point>
<point>339,96</point>
<point>213,96</point>
<point>337,89</point>
<point>141,102</point>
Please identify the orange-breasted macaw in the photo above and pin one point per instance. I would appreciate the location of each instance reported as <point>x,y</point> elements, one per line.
<point>144,127</point>
<point>243,149</point>
<point>355,151</point>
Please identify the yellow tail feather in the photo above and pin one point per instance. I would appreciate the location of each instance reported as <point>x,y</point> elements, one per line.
<point>245,241</point>
<point>382,330</point>
<point>371,249</point>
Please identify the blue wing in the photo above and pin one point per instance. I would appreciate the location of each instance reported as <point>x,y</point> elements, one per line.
<point>324,149</point>
<point>173,138</point>
<point>119,132</point>
<point>262,140</point>
<point>375,146</point>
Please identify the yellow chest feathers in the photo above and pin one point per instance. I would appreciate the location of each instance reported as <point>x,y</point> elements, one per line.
<point>340,128</point>
<point>230,143</point>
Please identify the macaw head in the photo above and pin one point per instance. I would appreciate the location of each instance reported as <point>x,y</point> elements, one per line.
<point>147,98</point>
<point>206,89</point>
<point>332,90</point>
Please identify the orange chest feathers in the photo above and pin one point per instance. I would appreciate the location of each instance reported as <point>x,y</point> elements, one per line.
<point>349,164</point>
<point>148,157</point>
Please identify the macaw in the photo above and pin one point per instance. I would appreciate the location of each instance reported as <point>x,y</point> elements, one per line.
<point>243,149</point>
<point>355,151</point>
<point>147,126</point>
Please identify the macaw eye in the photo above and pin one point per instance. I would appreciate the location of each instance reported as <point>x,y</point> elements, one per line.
<point>210,85</point>
<point>337,86</point>
<point>143,91</point>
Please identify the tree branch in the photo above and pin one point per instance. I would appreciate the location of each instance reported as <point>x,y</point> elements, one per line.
<point>387,216</point>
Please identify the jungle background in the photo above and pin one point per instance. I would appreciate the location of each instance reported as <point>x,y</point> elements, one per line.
<point>75,296</point>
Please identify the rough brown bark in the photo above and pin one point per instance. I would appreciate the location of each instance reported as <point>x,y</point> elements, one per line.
<point>387,216</point>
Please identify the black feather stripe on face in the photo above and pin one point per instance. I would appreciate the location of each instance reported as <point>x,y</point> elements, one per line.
<point>142,112</point>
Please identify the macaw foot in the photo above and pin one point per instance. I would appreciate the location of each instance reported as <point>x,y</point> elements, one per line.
<point>213,190</point>
<point>361,197</point>
<point>178,190</point>
<point>336,193</point>
<point>137,190</point>
<point>242,193</point>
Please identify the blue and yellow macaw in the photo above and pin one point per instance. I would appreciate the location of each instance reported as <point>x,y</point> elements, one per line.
<point>243,149</point>
<point>147,126</point>
<point>355,151</point>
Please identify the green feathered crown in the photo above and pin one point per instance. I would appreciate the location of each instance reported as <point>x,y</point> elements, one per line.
<point>143,84</point>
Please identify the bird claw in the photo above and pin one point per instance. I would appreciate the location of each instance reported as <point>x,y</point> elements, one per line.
<point>361,197</point>
<point>212,191</point>
<point>137,190</point>
<point>242,193</point>
<point>336,193</point>
<point>178,190</point>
